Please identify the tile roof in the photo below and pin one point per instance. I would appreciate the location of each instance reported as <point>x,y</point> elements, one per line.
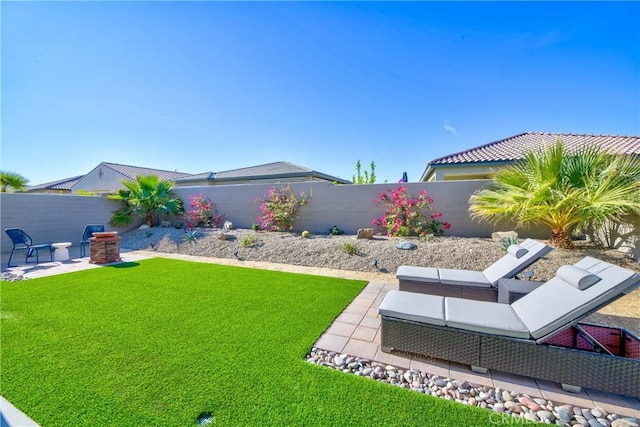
<point>275,168</point>
<point>59,185</point>
<point>133,171</point>
<point>515,147</point>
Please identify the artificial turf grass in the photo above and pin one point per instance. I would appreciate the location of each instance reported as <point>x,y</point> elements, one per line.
<point>160,341</point>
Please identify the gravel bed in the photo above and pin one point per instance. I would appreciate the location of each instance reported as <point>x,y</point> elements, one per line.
<point>327,251</point>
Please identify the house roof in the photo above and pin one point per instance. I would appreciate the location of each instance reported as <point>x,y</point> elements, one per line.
<point>59,185</point>
<point>275,169</point>
<point>515,147</point>
<point>133,171</point>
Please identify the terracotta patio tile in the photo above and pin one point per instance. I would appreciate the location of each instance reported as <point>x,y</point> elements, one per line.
<point>553,391</point>
<point>392,359</point>
<point>362,349</point>
<point>614,403</point>
<point>370,322</point>
<point>365,334</point>
<point>519,383</point>
<point>458,371</point>
<point>434,366</point>
<point>342,329</point>
<point>331,342</point>
<point>351,318</point>
<point>356,309</point>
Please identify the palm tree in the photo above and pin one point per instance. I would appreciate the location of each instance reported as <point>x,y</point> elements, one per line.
<point>11,181</point>
<point>147,196</point>
<point>562,191</point>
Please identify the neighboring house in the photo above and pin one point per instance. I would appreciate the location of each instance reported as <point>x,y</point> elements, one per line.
<point>481,161</point>
<point>270,173</point>
<point>62,186</point>
<point>106,177</point>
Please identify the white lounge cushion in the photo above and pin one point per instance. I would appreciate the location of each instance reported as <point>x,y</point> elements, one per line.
<point>418,274</point>
<point>557,304</point>
<point>577,277</point>
<point>508,266</point>
<point>517,251</point>
<point>421,308</point>
<point>482,316</point>
<point>464,277</point>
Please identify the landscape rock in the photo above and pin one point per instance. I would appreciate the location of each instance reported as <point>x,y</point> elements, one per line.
<point>407,246</point>
<point>365,233</point>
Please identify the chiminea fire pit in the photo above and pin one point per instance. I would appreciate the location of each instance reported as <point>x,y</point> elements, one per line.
<point>105,247</point>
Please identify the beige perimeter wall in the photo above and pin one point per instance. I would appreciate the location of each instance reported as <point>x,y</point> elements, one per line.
<point>59,218</point>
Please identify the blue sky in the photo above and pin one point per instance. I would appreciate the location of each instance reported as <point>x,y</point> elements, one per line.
<point>213,86</point>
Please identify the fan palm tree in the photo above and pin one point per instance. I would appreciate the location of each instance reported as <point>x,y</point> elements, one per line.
<point>145,196</point>
<point>11,181</point>
<point>562,191</point>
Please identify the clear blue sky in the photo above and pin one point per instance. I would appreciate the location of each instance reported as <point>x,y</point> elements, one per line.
<point>213,86</point>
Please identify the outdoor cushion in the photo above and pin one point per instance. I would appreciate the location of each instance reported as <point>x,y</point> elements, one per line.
<point>421,308</point>
<point>517,251</point>
<point>483,316</point>
<point>508,266</point>
<point>464,277</point>
<point>418,274</point>
<point>575,276</point>
<point>557,303</point>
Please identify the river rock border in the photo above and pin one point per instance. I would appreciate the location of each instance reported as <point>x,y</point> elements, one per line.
<point>500,401</point>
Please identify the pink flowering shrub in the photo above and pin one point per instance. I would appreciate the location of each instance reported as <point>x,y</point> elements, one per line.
<point>404,214</point>
<point>202,213</point>
<point>279,208</point>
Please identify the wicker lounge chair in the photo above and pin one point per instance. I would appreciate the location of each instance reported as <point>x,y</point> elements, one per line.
<point>469,284</point>
<point>538,336</point>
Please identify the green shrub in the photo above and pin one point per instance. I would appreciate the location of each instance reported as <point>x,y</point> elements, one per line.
<point>350,248</point>
<point>249,240</point>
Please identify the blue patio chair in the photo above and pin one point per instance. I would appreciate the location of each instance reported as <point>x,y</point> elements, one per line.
<point>88,233</point>
<point>22,240</point>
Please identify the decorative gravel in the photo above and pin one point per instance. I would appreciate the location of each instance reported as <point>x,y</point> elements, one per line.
<point>504,403</point>
<point>328,251</point>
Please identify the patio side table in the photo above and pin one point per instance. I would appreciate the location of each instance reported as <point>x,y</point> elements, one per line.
<point>61,251</point>
<point>511,290</point>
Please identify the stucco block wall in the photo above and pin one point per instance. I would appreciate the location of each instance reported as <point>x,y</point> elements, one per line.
<point>49,218</point>
<point>351,207</point>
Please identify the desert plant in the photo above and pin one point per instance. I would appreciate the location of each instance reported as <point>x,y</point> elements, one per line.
<point>505,242</point>
<point>11,182</point>
<point>335,231</point>
<point>249,240</point>
<point>191,235</point>
<point>146,196</point>
<point>350,248</point>
<point>563,191</point>
<point>280,208</point>
<point>405,215</point>
<point>202,212</point>
<point>368,178</point>
<point>255,226</point>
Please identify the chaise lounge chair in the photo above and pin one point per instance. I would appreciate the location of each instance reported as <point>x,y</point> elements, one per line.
<point>538,336</point>
<point>469,284</point>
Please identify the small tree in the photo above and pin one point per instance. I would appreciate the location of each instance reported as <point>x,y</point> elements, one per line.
<point>369,178</point>
<point>279,208</point>
<point>11,182</point>
<point>407,216</point>
<point>146,196</point>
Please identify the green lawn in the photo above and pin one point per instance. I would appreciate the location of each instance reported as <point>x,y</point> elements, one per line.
<point>161,341</point>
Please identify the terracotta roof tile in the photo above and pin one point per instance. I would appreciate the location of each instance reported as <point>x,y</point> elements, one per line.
<point>515,147</point>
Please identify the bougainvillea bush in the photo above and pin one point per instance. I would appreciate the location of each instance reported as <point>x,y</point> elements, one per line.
<point>408,216</point>
<point>279,208</point>
<point>202,212</point>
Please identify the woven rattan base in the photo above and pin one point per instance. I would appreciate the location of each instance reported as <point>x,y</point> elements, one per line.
<point>458,291</point>
<point>579,367</point>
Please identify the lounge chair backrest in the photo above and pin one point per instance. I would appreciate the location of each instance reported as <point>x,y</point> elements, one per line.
<point>18,237</point>
<point>90,229</point>
<point>508,266</point>
<point>557,303</point>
